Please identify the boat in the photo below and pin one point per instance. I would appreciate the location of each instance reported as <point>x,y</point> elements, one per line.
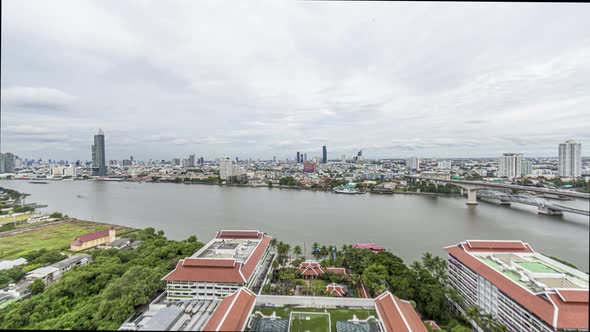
<point>38,182</point>
<point>347,189</point>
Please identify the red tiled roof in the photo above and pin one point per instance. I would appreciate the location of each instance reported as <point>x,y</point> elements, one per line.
<point>210,262</point>
<point>232,313</point>
<point>239,235</point>
<point>309,268</point>
<point>92,236</point>
<point>218,270</point>
<point>571,295</point>
<point>572,314</point>
<point>337,270</point>
<point>497,246</point>
<point>336,290</point>
<point>397,315</point>
<point>205,273</point>
<point>568,314</point>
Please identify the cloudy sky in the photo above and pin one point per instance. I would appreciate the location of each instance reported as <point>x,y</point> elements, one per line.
<point>263,78</point>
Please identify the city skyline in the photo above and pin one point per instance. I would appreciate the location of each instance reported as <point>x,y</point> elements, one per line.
<point>370,81</point>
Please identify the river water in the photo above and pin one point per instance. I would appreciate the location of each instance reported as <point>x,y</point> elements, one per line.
<point>408,225</point>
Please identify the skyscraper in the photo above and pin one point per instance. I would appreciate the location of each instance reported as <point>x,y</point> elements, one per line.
<point>298,157</point>
<point>570,159</point>
<point>191,160</point>
<point>324,155</point>
<point>510,165</point>
<point>7,162</point>
<point>99,166</point>
<point>413,164</point>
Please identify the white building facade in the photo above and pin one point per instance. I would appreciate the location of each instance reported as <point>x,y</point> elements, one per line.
<point>570,159</point>
<point>510,165</point>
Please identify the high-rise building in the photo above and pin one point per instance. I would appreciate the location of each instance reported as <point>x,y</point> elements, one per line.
<point>527,167</point>
<point>305,157</point>
<point>445,164</point>
<point>570,159</point>
<point>413,164</point>
<point>228,169</point>
<point>324,154</point>
<point>298,157</point>
<point>99,165</point>
<point>191,160</point>
<point>7,162</point>
<point>176,161</point>
<point>274,159</point>
<point>520,288</point>
<point>510,165</point>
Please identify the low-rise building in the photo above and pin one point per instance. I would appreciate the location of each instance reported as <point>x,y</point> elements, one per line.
<point>92,240</point>
<point>522,289</point>
<point>233,259</point>
<point>49,274</point>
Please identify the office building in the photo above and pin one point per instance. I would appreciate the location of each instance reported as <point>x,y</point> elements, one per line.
<point>191,160</point>
<point>570,159</point>
<point>343,158</point>
<point>413,164</point>
<point>510,165</point>
<point>274,159</point>
<point>227,169</point>
<point>324,155</point>
<point>522,289</point>
<point>99,166</point>
<point>304,157</point>
<point>233,259</point>
<point>527,168</point>
<point>7,162</point>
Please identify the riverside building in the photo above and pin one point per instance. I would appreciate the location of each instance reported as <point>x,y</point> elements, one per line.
<point>233,259</point>
<point>523,289</point>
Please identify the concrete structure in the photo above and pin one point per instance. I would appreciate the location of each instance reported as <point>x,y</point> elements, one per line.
<point>445,164</point>
<point>61,171</point>
<point>227,169</point>
<point>527,168</point>
<point>413,164</point>
<point>233,259</point>
<point>49,274</point>
<point>99,166</point>
<point>7,162</point>
<point>324,154</point>
<point>93,239</point>
<point>233,312</point>
<point>510,165</point>
<point>9,264</point>
<point>570,159</point>
<point>524,290</point>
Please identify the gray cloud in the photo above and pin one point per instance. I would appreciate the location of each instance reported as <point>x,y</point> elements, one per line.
<point>272,78</point>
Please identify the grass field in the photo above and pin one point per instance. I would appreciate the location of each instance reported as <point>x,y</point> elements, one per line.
<point>6,219</point>
<point>309,321</point>
<point>53,236</point>
<point>335,315</point>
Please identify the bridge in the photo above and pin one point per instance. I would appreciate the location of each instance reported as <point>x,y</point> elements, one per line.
<point>473,187</point>
<point>545,207</point>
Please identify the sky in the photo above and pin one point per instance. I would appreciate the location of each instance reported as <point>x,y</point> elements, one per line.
<point>257,79</point>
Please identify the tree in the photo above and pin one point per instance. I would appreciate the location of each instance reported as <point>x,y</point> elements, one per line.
<point>37,287</point>
<point>297,250</point>
<point>56,215</point>
<point>374,277</point>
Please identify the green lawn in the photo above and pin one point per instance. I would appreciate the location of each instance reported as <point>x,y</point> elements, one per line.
<point>309,321</point>
<point>7,219</point>
<point>49,237</point>
<point>340,314</point>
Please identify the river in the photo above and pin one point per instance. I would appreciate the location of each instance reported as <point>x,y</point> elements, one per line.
<point>408,225</point>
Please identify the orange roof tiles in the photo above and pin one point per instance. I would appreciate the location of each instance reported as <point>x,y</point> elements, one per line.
<point>397,315</point>
<point>233,312</point>
<point>497,246</point>
<point>310,268</point>
<point>239,235</point>
<point>570,314</point>
<point>209,262</point>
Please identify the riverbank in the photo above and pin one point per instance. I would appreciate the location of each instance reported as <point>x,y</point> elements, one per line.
<point>54,235</point>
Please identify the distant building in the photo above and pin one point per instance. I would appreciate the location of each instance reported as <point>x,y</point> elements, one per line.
<point>413,164</point>
<point>522,289</point>
<point>370,246</point>
<point>7,162</point>
<point>298,157</point>
<point>233,259</point>
<point>324,155</point>
<point>93,239</point>
<point>9,264</point>
<point>63,171</point>
<point>227,169</point>
<point>570,159</point>
<point>445,164</point>
<point>191,160</point>
<point>99,166</point>
<point>510,165</point>
<point>527,167</point>
<point>309,167</point>
<point>49,274</point>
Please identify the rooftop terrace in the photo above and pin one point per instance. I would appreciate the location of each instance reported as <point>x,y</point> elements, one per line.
<point>238,249</point>
<point>534,272</point>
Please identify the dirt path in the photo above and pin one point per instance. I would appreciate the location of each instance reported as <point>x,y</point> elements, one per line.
<point>29,229</point>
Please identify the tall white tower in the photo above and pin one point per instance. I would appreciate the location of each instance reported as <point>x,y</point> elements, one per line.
<point>570,159</point>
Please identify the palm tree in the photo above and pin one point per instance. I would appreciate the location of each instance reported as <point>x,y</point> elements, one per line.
<point>297,250</point>
<point>324,251</point>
